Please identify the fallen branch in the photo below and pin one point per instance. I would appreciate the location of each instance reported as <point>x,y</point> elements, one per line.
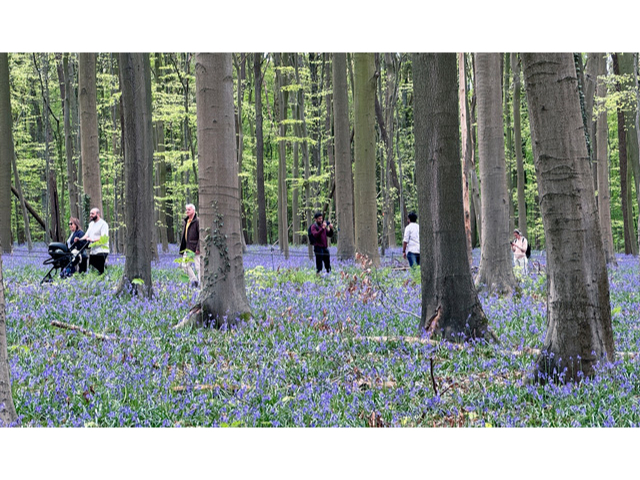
<point>84,331</point>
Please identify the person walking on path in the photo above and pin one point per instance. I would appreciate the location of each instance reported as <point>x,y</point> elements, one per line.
<point>411,241</point>
<point>98,228</point>
<point>320,230</point>
<point>190,240</point>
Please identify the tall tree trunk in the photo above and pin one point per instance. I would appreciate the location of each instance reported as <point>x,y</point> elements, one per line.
<point>517,135</point>
<point>6,156</point>
<point>65,94</point>
<point>579,332</point>
<point>636,162</point>
<point>135,81</point>
<point>366,233</point>
<point>450,302</point>
<point>475,204</point>
<point>241,75</point>
<point>8,413</point>
<point>496,271</point>
<point>602,159</point>
<point>626,68</point>
<point>627,219</point>
<point>223,298</point>
<point>344,174</point>
<point>590,82</point>
<point>466,153</point>
<point>508,135</point>
<point>283,103</point>
<point>161,167</point>
<point>91,179</point>
<point>262,206</point>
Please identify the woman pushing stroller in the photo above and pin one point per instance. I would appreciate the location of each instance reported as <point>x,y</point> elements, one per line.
<point>80,263</point>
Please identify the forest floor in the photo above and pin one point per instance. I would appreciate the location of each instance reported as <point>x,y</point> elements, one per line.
<point>331,350</point>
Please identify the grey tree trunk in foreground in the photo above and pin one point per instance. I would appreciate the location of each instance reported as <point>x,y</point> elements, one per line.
<point>496,265</point>
<point>517,135</point>
<point>6,154</point>
<point>450,302</point>
<point>8,413</point>
<point>579,332</point>
<point>366,231</point>
<point>135,81</point>
<point>223,299</point>
<point>344,173</point>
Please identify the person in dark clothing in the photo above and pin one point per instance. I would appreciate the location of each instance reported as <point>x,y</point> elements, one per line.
<point>190,240</point>
<point>80,264</point>
<point>320,231</point>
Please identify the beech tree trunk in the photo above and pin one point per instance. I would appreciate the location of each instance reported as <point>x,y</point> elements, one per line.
<point>450,303</point>
<point>223,298</point>
<point>517,135</point>
<point>283,101</point>
<point>8,413</point>
<point>161,167</point>
<point>6,155</point>
<point>496,270</point>
<point>627,147</point>
<point>590,82</point>
<point>23,206</point>
<point>65,95</point>
<point>262,208</point>
<point>604,195</point>
<point>135,81</point>
<point>466,153</point>
<point>579,331</point>
<point>91,179</point>
<point>344,173</point>
<point>366,227</point>
<point>636,162</point>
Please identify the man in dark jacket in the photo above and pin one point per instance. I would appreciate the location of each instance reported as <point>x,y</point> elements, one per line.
<point>190,240</point>
<point>320,231</point>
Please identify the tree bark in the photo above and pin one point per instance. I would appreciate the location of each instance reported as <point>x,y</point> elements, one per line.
<point>91,179</point>
<point>627,147</point>
<point>65,95</point>
<point>636,163</point>
<point>496,271</point>
<point>602,159</point>
<point>23,206</point>
<point>8,413</point>
<point>344,173</point>
<point>161,167</point>
<point>262,206</point>
<point>6,155</point>
<point>135,81</point>
<point>283,101</point>
<point>579,331</point>
<point>517,135</point>
<point>590,82</point>
<point>466,153</point>
<point>366,230</point>
<point>450,303</point>
<point>223,299</point>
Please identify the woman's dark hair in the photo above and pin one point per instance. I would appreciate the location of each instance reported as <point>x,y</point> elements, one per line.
<point>413,216</point>
<point>76,222</point>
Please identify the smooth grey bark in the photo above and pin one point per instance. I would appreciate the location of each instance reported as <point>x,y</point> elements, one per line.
<point>223,299</point>
<point>91,178</point>
<point>517,136</point>
<point>466,152</point>
<point>636,164</point>
<point>344,173</point>
<point>590,82</point>
<point>496,270</point>
<point>161,167</point>
<point>262,209</point>
<point>6,154</point>
<point>65,95</point>
<point>602,159</point>
<point>8,413</point>
<point>629,154</point>
<point>135,83</point>
<point>283,104</point>
<point>366,229</point>
<point>450,303</point>
<point>579,332</point>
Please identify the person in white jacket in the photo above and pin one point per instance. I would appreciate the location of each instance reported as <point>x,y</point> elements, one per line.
<point>411,241</point>
<point>98,228</point>
<point>519,248</point>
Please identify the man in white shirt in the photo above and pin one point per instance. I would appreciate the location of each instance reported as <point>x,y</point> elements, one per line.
<point>519,247</point>
<point>411,241</point>
<point>98,228</point>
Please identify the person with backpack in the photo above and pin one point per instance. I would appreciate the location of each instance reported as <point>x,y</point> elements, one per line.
<point>318,233</point>
<point>521,251</point>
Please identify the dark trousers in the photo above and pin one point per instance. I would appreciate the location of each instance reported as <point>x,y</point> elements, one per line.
<point>82,264</point>
<point>97,261</point>
<point>322,256</point>
<point>414,258</point>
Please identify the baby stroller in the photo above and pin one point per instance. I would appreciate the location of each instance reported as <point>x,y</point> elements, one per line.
<point>61,259</point>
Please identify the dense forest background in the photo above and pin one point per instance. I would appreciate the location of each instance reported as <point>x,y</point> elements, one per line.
<point>285,100</point>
